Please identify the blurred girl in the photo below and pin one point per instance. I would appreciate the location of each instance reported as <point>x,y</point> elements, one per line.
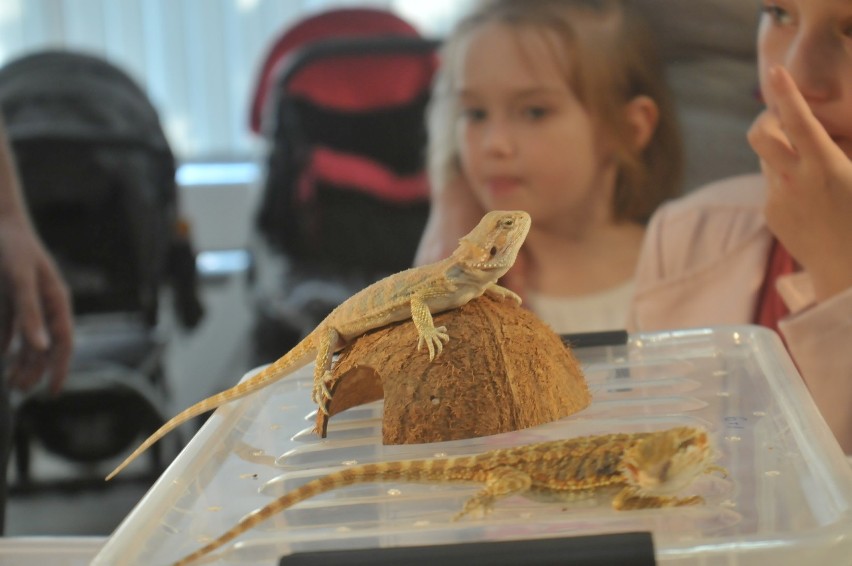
<point>559,108</point>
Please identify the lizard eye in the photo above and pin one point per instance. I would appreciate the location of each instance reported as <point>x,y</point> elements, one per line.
<point>508,223</point>
<point>493,251</point>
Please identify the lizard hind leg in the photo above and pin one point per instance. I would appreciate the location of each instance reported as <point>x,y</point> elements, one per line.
<point>326,346</point>
<point>499,483</point>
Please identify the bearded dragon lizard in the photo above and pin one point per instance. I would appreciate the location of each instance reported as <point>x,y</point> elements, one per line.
<point>648,469</point>
<point>482,257</point>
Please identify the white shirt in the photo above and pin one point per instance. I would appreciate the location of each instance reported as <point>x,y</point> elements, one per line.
<point>605,310</point>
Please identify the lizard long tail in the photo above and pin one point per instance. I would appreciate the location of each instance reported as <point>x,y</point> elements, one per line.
<point>411,471</point>
<point>299,356</point>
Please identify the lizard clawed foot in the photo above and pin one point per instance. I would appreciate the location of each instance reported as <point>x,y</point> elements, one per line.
<point>477,507</point>
<point>322,406</point>
<point>719,469</point>
<point>434,339</point>
<point>629,499</point>
<point>500,482</point>
<point>321,394</point>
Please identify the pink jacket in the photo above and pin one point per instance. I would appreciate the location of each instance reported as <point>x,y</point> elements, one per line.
<point>702,264</point>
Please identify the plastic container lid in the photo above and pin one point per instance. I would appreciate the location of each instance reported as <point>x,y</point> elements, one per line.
<point>786,500</point>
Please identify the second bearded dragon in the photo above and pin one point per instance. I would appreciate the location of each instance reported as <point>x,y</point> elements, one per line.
<point>645,469</point>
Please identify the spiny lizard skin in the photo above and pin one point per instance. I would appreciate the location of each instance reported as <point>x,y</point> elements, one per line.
<point>482,257</point>
<point>649,467</point>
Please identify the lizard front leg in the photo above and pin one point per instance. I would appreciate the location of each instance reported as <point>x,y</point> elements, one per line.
<point>434,338</point>
<point>500,292</point>
<point>326,346</point>
<point>499,483</point>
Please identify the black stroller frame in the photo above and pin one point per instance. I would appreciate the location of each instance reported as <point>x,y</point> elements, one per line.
<point>342,236</point>
<point>99,179</point>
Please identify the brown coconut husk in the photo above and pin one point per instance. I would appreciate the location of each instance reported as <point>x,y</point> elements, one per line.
<point>503,369</point>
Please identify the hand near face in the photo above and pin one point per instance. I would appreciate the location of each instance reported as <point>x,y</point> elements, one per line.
<point>809,180</point>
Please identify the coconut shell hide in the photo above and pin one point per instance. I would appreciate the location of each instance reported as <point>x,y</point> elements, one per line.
<point>502,370</point>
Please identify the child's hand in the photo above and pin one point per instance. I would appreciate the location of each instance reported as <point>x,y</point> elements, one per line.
<point>809,179</point>
<point>40,307</point>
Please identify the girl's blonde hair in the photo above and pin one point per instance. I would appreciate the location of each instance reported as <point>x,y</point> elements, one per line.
<point>613,59</point>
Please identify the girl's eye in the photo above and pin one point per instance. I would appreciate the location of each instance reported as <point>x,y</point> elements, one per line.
<point>473,114</point>
<point>777,14</point>
<point>536,112</point>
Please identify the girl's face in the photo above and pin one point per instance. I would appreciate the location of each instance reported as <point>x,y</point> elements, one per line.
<point>525,140</point>
<point>813,40</point>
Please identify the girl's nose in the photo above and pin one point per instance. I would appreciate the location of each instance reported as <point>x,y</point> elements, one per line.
<point>498,138</point>
<point>811,61</point>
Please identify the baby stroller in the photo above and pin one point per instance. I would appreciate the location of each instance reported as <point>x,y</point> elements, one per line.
<point>99,180</point>
<point>341,100</point>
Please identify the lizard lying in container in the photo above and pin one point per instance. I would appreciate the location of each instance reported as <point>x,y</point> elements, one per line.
<point>647,469</point>
<point>482,257</point>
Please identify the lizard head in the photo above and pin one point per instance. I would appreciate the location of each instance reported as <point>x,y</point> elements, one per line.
<point>493,245</point>
<point>666,462</point>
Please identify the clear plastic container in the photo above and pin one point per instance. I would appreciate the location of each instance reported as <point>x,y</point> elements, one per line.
<point>56,551</point>
<point>786,500</point>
